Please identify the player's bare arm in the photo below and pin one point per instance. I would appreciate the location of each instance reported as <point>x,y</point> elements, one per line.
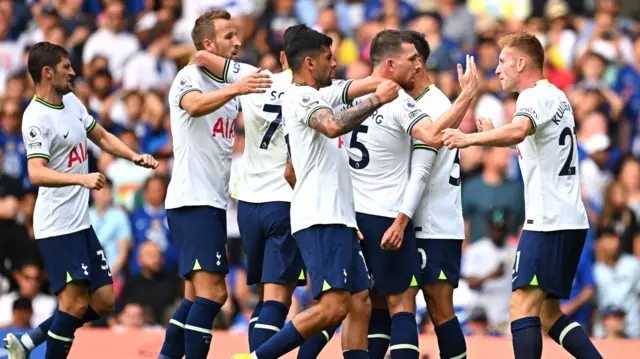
<point>503,136</point>
<point>334,125</point>
<point>430,132</point>
<point>198,104</point>
<point>43,176</point>
<point>112,145</point>
<point>211,62</point>
<point>362,87</point>
<point>290,174</point>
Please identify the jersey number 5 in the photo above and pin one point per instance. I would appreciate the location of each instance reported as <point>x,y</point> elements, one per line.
<point>567,168</point>
<point>364,161</point>
<point>273,126</point>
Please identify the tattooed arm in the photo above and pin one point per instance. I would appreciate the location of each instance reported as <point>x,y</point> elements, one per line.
<point>336,124</point>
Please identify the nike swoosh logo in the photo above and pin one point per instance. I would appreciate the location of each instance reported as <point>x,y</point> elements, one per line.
<point>66,134</point>
<point>514,279</point>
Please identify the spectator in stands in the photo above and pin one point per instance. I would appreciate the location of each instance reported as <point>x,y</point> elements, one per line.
<point>28,277</point>
<point>617,277</point>
<point>21,314</point>
<point>458,23</point>
<point>444,51</point>
<point>112,228</point>
<point>14,162</point>
<point>617,216</point>
<point>10,193</point>
<point>630,180</point>
<point>45,17</point>
<point>149,223</point>
<point>277,18</point>
<point>152,287</point>
<point>490,189</point>
<point>132,316</point>
<point>127,178</point>
<point>594,171</point>
<point>112,41</point>
<point>151,69</point>
<point>11,51</point>
<point>613,323</point>
<point>486,268</point>
<point>101,83</point>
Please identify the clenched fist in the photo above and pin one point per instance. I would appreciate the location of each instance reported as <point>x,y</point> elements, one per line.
<point>146,161</point>
<point>93,180</point>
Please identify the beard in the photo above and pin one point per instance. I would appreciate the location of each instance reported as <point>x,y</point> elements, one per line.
<point>63,90</point>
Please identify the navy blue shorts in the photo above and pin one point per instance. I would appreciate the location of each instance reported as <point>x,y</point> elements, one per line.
<point>548,260</point>
<point>200,234</point>
<point>440,260</point>
<point>333,258</point>
<point>392,272</point>
<point>75,256</point>
<point>272,253</point>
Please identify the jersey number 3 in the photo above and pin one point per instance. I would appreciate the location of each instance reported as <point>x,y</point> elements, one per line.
<point>273,126</point>
<point>567,168</point>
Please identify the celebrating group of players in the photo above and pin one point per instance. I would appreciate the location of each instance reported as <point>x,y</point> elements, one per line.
<point>351,185</point>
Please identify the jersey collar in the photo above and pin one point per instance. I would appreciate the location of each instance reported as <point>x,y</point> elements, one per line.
<point>425,91</point>
<point>210,75</point>
<point>48,104</point>
<point>541,82</point>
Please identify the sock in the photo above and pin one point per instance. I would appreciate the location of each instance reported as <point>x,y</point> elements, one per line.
<point>197,329</point>
<point>270,321</point>
<point>451,340</point>
<point>379,333</point>
<point>60,335</point>
<point>314,345</point>
<point>572,337</point>
<point>404,336</point>
<point>253,320</point>
<point>280,344</point>
<point>527,338</point>
<point>38,335</point>
<point>355,354</point>
<point>173,345</point>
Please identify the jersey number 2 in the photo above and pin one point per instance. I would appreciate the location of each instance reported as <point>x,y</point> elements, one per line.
<point>567,168</point>
<point>364,161</point>
<point>273,126</point>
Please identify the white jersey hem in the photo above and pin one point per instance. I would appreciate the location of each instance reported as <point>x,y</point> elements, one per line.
<point>195,204</point>
<point>44,234</point>
<point>448,236</point>
<point>298,229</point>
<point>262,200</point>
<point>554,228</point>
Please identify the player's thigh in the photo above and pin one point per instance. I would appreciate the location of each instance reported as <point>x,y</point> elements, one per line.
<point>282,261</point>
<point>329,252</point>
<point>548,260</point>
<point>66,259</point>
<point>388,277</point>
<point>100,272</point>
<point>439,263</point>
<point>201,235</point>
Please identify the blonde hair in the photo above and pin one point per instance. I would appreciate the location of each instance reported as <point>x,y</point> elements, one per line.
<point>527,43</point>
<point>204,27</point>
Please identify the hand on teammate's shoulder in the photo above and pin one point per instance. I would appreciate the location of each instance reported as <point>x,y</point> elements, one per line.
<point>256,82</point>
<point>387,91</point>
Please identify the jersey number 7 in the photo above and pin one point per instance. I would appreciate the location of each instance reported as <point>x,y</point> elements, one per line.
<point>273,126</point>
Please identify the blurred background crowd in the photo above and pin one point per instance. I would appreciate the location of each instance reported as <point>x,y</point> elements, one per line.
<point>126,54</point>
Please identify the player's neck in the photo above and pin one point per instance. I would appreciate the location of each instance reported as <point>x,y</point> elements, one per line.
<point>305,79</point>
<point>529,80</point>
<point>48,94</point>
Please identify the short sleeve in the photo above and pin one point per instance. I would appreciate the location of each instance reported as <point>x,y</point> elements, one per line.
<point>235,71</point>
<point>186,81</point>
<point>527,106</point>
<point>337,93</point>
<point>308,102</point>
<point>36,136</point>
<point>407,113</point>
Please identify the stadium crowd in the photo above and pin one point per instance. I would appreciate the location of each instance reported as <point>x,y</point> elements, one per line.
<point>127,53</point>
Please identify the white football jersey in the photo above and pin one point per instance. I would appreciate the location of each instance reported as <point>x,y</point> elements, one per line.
<point>58,133</point>
<point>549,161</point>
<point>261,178</point>
<point>379,156</point>
<point>439,214</point>
<point>323,193</point>
<point>201,145</point>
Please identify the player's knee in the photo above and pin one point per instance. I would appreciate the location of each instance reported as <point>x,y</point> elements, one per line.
<point>440,305</point>
<point>526,302</point>
<point>334,307</point>
<point>105,305</point>
<point>361,303</point>
<point>549,313</point>
<point>75,306</point>
<point>210,285</point>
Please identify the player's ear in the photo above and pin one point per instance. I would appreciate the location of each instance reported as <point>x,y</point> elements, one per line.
<point>309,62</point>
<point>47,72</point>
<point>208,45</point>
<point>522,61</point>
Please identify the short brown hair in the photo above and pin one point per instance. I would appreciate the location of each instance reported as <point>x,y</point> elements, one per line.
<point>526,43</point>
<point>204,26</point>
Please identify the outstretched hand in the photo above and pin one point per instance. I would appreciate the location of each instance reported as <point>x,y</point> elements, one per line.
<point>256,82</point>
